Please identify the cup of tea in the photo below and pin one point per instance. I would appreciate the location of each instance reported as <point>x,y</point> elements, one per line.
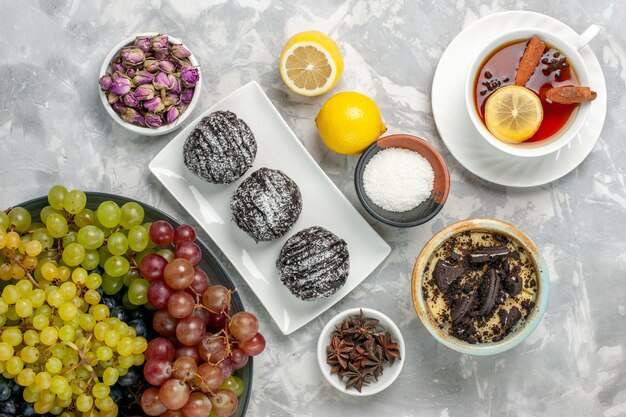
<point>561,64</point>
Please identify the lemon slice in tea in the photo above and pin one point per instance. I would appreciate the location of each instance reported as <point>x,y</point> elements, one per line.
<point>513,113</point>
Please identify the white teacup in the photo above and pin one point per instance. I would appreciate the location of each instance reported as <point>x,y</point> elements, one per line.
<point>570,48</point>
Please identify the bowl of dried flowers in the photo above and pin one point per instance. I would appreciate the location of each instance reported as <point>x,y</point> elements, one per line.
<point>361,351</point>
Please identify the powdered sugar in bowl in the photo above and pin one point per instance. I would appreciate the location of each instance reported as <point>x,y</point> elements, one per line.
<point>402,180</point>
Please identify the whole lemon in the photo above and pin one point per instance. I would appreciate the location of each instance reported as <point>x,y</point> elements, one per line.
<point>349,122</point>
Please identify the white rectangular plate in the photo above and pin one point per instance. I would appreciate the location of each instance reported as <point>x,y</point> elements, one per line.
<point>322,205</point>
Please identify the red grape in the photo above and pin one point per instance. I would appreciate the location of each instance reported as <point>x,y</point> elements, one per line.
<point>156,371</point>
<point>164,324</point>
<point>179,274</point>
<point>161,233</point>
<point>188,351</point>
<point>172,413</point>
<point>160,348</point>
<point>184,368</point>
<point>158,294</point>
<point>216,298</point>
<point>224,403</point>
<point>243,326</point>
<point>217,321</point>
<point>189,251</point>
<point>152,267</point>
<point>226,366</point>
<point>238,359</point>
<point>200,282</point>
<point>198,405</point>
<point>212,348</point>
<point>184,233</point>
<point>253,346</point>
<point>180,305</point>
<point>150,402</point>
<point>189,331</point>
<point>174,394</point>
<point>209,377</point>
<point>203,313</point>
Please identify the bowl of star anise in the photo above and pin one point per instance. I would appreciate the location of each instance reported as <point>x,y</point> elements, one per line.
<point>360,351</point>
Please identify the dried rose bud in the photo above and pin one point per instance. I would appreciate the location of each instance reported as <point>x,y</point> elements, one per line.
<point>180,52</point>
<point>130,100</point>
<point>175,84</point>
<point>105,82</point>
<point>187,95</point>
<point>154,105</point>
<point>171,99</point>
<point>153,120</point>
<point>112,97</point>
<point>190,75</point>
<point>161,81</point>
<point>143,44</point>
<point>142,77</point>
<point>144,92</point>
<point>131,115</point>
<point>132,56</point>
<point>151,65</point>
<point>160,43</point>
<point>172,114</point>
<point>117,106</point>
<point>167,66</point>
<point>118,67</point>
<point>121,86</point>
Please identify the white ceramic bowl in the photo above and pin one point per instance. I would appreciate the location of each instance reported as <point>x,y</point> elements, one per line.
<point>570,48</point>
<point>147,131</point>
<point>390,373</point>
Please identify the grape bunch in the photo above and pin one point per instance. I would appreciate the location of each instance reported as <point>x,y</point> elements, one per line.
<point>58,339</point>
<point>190,367</point>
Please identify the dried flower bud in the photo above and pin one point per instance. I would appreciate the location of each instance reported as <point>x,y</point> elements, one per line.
<point>118,106</point>
<point>187,95</point>
<point>118,67</point>
<point>153,120</point>
<point>112,97</point>
<point>121,86</point>
<point>142,77</point>
<point>151,65</point>
<point>130,100</point>
<point>172,114</point>
<point>131,115</point>
<point>154,105</point>
<point>161,81</point>
<point>143,44</point>
<point>190,75</point>
<point>105,82</point>
<point>180,52</point>
<point>160,43</point>
<point>144,92</point>
<point>167,66</point>
<point>171,99</point>
<point>132,56</point>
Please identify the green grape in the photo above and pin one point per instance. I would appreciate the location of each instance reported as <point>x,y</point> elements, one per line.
<point>91,259</point>
<point>85,218</point>
<point>138,238</point>
<point>70,237</point>
<point>116,266</point>
<point>49,336</point>
<point>37,297</point>
<point>26,377</point>
<point>56,195</point>
<point>29,354</point>
<point>104,255</point>
<point>4,221</point>
<point>68,289</point>
<point>131,215</point>
<point>24,308</point>
<point>56,225</point>
<point>167,254</point>
<point>59,384</point>
<point>126,302</point>
<point>84,403</point>
<point>68,311</point>
<point>31,393</point>
<point>234,384</point>
<point>138,291</point>
<point>110,376</point>
<point>10,294</point>
<point>93,281</point>
<point>112,285</point>
<point>67,333</point>
<point>91,237</point>
<point>109,214</point>
<point>100,390</point>
<point>74,201</point>
<point>12,336</point>
<point>44,237</point>
<point>117,243</point>
<point>6,351</point>
<point>99,312</point>
<point>14,365</point>
<point>47,211</point>
<point>31,337</point>
<point>87,322</point>
<point>73,254</point>
<point>24,287</point>
<point>19,217</point>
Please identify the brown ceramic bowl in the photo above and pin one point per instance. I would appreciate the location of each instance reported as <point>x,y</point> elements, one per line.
<point>425,211</point>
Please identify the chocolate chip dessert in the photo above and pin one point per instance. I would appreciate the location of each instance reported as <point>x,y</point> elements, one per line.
<point>266,205</point>
<point>314,263</point>
<point>479,285</point>
<point>220,149</point>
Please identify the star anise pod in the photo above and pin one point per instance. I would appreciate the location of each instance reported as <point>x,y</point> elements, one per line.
<point>390,349</point>
<point>361,327</point>
<point>338,353</point>
<point>357,377</point>
<point>375,362</point>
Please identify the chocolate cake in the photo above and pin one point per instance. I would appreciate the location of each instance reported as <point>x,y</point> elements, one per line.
<point>220,149</point>
<point>314,263</point>
<point>266,205</point>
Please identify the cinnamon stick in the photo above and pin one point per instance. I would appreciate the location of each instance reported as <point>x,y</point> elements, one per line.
<point>529,60</point>
<point>570,95</point>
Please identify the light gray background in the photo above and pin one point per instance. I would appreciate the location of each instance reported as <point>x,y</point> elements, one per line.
<point>53,129</point>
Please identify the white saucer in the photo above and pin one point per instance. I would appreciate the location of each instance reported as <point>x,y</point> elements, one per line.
<point>463,140</point>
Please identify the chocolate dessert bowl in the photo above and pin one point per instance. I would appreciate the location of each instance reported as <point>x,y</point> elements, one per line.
<point>480,286</point>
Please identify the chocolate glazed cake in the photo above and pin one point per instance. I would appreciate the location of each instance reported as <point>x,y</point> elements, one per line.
<point>220,149</point>
<point>314,263</point>
<point>266,205</point>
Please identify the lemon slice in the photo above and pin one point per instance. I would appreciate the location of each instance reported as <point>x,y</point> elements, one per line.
<point>513,113</point>
<point>311,63</point>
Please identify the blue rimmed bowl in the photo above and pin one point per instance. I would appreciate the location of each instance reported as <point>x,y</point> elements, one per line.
<point>522,329</point>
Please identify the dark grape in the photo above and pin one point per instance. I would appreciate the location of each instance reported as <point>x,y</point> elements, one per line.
<point>25,409</point>
<point>109,302</point>
<point>141,328</point>
<point>120,312</point>
<point>5,388</point>
<point>217,321</point>
<point>159,293</point>
<point>161,233</point>
<point>152,267</point>
<point>189,251</point>
<point>238,359</point>
<point>131,379</point>
<point>184,233</point>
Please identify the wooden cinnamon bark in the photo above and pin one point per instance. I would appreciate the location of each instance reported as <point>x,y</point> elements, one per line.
<point>529,61</point>
<point>570,95</point>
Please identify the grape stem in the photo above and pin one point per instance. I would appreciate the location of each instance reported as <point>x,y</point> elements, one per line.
<point>27,272</point>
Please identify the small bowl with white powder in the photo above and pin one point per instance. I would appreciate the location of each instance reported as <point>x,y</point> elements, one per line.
<point>402,180</point>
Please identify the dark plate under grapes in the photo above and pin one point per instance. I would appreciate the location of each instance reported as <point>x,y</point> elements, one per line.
<point>209,264</point>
